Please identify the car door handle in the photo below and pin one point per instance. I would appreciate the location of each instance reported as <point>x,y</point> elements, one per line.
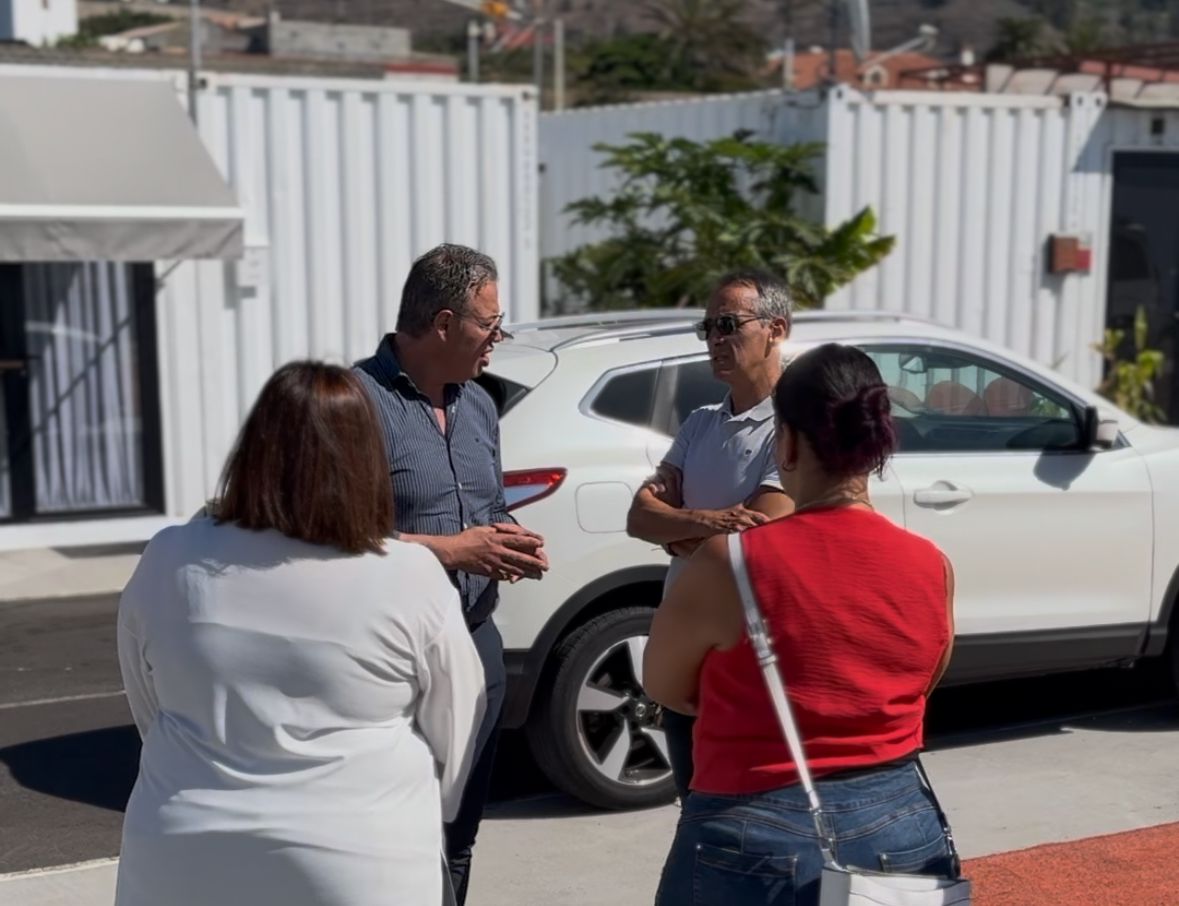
<point>942,494</point>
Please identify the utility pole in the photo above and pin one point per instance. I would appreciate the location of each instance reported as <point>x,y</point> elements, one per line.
<point>833,39</point>
<point>788,46</point>
<point>538,59</point>
<point>558,64</point>
<point>194,56</point>
<point>474,36</point>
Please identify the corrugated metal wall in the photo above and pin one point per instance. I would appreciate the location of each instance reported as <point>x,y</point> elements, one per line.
<point>343,184</point>
<point>1119,129</point>
<point>571,168</point>
<point>972,186</point>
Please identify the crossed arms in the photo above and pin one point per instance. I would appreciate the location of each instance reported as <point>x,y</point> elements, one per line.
<point>658,514</point>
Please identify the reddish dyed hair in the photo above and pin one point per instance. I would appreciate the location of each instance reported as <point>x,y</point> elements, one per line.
<point>310,463</point>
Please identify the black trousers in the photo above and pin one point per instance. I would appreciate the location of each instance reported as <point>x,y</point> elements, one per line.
<point>679,749</point>
<point>461,833</point>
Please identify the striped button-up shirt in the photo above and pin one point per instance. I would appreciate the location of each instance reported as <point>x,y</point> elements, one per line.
<point>442,483</point>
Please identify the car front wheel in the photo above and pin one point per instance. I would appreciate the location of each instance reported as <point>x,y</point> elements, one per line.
<point>596,734</point>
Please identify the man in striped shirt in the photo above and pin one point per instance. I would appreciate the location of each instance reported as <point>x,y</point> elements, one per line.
<point>441,432</point>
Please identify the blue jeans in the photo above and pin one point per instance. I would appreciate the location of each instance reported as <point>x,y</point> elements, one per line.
<point>762,848</point>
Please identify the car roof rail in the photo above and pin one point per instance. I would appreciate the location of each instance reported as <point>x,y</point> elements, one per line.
<point>632,325</point>
<point>610,319</point>
<point>632,332</point>
<point>856,314</point>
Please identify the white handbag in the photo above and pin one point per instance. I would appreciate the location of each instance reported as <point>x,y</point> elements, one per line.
<point>841,885</point>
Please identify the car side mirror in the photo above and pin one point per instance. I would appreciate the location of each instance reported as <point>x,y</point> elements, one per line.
<point>1098,433</point>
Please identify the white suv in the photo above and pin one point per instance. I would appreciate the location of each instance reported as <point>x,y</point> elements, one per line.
<point>1060,513</point>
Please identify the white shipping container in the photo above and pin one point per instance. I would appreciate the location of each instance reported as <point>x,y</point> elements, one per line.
<point>972,186</point>
<point>343,183</point>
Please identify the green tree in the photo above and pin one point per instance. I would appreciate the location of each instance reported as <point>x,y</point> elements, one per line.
<point>708,43</point>
<point>615,69</point>
<point>95,27</point>
<point>1085,36</point>
<point>1129,378</point>
<point>1019,39</point>
<point>1061,13</point>
<point>687,211</point>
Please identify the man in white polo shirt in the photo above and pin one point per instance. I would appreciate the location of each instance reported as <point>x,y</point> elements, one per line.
<point>720,475</point>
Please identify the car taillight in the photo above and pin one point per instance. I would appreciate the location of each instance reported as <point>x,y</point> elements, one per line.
<point>530,485</point>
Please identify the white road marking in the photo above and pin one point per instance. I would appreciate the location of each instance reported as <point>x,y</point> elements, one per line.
<point>86,696</point>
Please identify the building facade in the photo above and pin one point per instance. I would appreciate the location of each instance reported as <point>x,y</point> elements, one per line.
<point>128,380</point>
<point>977,188</point>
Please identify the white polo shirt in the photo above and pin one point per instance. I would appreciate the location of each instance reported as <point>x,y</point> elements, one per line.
<point>724,458</point>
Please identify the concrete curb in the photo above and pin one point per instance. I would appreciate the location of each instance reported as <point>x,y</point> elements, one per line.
<point>49,574</point>
<point>89,883</point>
<point>64,597</point>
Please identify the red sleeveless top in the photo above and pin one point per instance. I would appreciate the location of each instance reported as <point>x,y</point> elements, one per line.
<point>856,610</point>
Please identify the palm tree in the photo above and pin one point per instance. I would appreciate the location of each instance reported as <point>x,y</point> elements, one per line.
<point>1019,39</point>
<point>708,41</point>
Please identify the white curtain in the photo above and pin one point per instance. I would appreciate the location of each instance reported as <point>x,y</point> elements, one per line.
<point>5,476</point>
<point>84,389</point>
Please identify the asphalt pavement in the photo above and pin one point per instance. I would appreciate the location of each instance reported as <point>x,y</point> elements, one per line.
<point>68,753</point>
<point>68,750</point>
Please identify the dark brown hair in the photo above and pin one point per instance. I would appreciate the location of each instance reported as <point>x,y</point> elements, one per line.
<point>309,462</point>
<point>834,396</point>
<point>447,276</point>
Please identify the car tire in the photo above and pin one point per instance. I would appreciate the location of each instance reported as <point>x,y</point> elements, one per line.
<point>596,735</point>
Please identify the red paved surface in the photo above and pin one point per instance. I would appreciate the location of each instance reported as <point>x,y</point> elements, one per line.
<point>1137,868</point>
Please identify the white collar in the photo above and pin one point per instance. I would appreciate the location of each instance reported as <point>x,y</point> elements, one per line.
<point>759,413</point>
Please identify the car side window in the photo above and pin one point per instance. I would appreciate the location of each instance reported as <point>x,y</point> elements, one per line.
<point>628,397</point>
<point>693,386</point>
<point>947,401</point>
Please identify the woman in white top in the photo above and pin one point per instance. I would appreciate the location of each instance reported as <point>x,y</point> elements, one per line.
<point>307,691</point>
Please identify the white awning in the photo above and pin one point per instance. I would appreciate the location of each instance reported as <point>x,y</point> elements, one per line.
<point>106,170</point>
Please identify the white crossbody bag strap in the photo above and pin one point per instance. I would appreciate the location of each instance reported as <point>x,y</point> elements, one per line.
<point>768,661</point>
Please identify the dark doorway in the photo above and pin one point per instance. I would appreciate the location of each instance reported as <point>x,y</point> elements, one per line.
<point>1144,260</point>
<point>79,401</point>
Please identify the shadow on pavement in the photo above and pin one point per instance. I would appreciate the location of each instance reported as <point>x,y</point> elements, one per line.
<point>1138,700</point>
<point>97,767</point>
<point>520,790</point>
<point>547,805</point>
<point>1126,700</point>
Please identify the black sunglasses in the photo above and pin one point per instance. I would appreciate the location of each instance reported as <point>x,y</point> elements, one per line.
<point>726,325</point>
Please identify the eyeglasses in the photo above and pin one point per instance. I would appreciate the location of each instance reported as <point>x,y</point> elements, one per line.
<point>726,325</point>
<point>493,326</point>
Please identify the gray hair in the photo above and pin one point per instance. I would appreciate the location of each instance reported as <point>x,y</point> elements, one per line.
<point>446,277</point>
<point>773,298</point>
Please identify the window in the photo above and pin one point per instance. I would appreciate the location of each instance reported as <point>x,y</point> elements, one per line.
<point>944,400</point>
<point>693,385</point>
<point>79,388</point>
<point>503,392</point>
<point>627,397</point>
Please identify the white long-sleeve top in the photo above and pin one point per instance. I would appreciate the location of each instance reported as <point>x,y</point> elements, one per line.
<point>307,718</point>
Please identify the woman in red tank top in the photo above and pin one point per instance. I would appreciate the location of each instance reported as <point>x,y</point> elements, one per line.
<point>861,616</point>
